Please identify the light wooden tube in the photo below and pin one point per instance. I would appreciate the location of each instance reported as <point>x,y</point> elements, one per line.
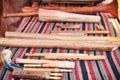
<point>47,63</point>
<point>54,15</point>
<point>75,32</point>
<point>70,56</point>
<point>33,75</point>
<point>54,54</point>
<point>48,69</point>
<point>30,61</point>
<point>9,34</point>
<point>82,45</point>
<point>91,57</point>
<point>63,65</point>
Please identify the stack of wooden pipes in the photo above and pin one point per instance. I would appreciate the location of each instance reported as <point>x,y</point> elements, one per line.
<point>51,66</point>
<point>16,39</point>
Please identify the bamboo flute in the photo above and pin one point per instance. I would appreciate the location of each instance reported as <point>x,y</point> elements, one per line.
<point>67,44</point>
<point>35,75</point>
<point>9,34</point>
<point>64,56</point>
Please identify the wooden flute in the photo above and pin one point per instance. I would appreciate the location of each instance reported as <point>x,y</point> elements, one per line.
<point>65,56</point>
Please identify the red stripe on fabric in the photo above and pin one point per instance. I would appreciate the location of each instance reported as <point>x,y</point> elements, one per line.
<point>32,21</point>
<point>46,28</point>
<point>10,76</point>
<point>38,28</point>
<point>106,67</point>
<point>23,25</point>
<point>116,58</point>
<point>32,51</point>
<point>21,52</point>
<point>89,62</point>
<point>91,68</point>
<point>107,23</point>
<point>76,68</point>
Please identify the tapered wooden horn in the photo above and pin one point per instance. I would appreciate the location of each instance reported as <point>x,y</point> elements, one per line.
<point>111,8</point>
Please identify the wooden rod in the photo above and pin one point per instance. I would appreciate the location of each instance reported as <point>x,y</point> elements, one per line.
<point>5,15</point>
<point>64,56</point>
<point>91,57</point>
<point>33,75</point>
<point>54,54</point>
<point>48,69</point>
<point>59,37</point>
<point>47,63</point>
<point>30,61</point>
<point>76,32</point>
<point>67,44</point>
<point>53,65</point>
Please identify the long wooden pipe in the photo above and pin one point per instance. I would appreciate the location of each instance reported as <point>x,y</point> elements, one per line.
<point>78,32</point>
<point>111,8</point>
<point>67,44</point>
<point>64,56</point>
<point>39,36</point>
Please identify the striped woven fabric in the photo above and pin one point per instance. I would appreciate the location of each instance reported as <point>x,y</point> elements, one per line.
<point>108,69</point>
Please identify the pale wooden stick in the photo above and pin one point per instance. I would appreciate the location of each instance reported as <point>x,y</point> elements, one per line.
<point>83,45</point>
<point>54,54</point>
<point>30,61</point>
<point>53,65</point>
<point>78,32</point>
<point>59,37</point>
<point>48,69</point>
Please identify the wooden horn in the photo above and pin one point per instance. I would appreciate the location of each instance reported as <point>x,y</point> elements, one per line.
<point>111,8</point>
